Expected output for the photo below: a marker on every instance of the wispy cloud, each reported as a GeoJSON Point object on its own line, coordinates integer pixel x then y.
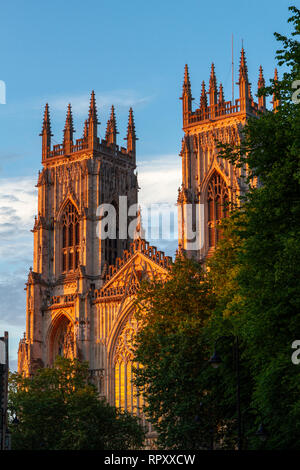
{"type": "Point", "coordinates": [80, 103]}
{"type": "Point", "coordinates": [18, 200]}
{"type": "Point", "coordinates": [17, 204]}
{"type": "Point", "coordinates": [159, 178]}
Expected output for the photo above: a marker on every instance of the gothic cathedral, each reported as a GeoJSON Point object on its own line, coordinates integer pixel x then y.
{"type": "Point", "coordinates": [81, 290]}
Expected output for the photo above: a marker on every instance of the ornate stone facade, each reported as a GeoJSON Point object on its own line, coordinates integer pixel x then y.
{"type": "Point", "coordinates": [81, 289]}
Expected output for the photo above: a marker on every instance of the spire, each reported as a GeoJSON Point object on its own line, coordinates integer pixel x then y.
{"type": "Point", "coordinates": [93, 108]}
{"type": "Point", "coordinates": [243, 73]}
{"type": "Point", "coordinates": [221, 99]}
{"type": "Point", "coordinates": [111, 129]}
{"type": "Point", "coordinates": [131, 136]}
{"type": "Point", "coordinates": [131, 125]}
{"type": "Point", "coordinates": [186, 96]}
{"type": "Point", "coordinates": [276, 100]}
{"type": "Point", "coordinates": [213, 93]}
{"type": "Point", "coordinates": [46, 121]}
{"type": "Point", "coordinates": [203, 98]}
{"type": "Point", "coordinates": [46, 133]}
{"type": "Point", "coordinates": [212, 80]}
{"type": "Point", "coordinates": [68, 131]}
{"type": "Point", "coordinates": [244, 85]}
{"type": "Point", "coordinates": [186, 81]}
{"type": "Point", "coordinates": [261, 84]}
{"type": "Point", "coordinates": [261, 80]}
{"type": "Point", "coordinates": [92, 122]}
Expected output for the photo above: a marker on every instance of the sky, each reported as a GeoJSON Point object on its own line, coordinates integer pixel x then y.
{"type": "Point", "coordinates": [132, 54]}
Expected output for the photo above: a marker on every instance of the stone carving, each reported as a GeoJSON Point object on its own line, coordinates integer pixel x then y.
{"type": "Point", "coordinates": [66, 341]}
{"type": "Point", "coordinates": [124, 346]}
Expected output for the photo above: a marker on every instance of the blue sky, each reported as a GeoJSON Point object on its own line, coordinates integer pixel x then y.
{"type": "Point", "coordinates": [57, 51]}
{"type": "Point", "coordinates": [132, 54]}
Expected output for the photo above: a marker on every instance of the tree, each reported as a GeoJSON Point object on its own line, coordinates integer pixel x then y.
{"type": "Point", "coordinates": [58, 409]}
{"type": "Point", "coordinates": [267, 260]}
{"type": "Point", "coordinates": [251, 291]}
{"type": "Point", "coordinates": [173, 350]}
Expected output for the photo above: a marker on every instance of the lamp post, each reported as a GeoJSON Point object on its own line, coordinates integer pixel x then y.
{"type": "Point", "coordinates": [215, 361]}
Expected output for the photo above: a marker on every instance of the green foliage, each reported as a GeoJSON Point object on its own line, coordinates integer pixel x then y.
{"type": "Point", "coordinates": [267, 257]}
{"type": "Point", "coordinates": [173, 350]}
{"type": "Point", "coordinates": [251, 291]}
{"type": "Point", "coordinates": [58, 409]}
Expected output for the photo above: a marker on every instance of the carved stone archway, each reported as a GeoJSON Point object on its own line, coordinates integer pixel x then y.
{"type": "Point", "coordinates": [61, 339]}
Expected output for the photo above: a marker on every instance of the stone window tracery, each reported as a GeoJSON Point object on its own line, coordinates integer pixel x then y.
{"type": "Point", "coordinates": [126, 396]}
{"type": "Point", "coordinates": [70, 238]}
{"type": "Point", "coordinates": [217, 204]}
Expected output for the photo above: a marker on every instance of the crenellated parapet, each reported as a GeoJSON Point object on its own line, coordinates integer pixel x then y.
{"type": "Point", "coordinates": [213, 106]}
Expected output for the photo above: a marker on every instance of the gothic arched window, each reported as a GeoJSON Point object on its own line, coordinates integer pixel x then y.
{"type": "Point", "coordinates": [126, 394]}
{"type": "Point", "coordinates": [217, 204]}
{"type": "Point", "coordinates": [70, 238]}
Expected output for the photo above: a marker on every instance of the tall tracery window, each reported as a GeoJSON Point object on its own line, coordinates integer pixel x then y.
{"type": "Point", "coordinates": [126, 395]}
{"type": "Point", "coordinates": [217, 203]}
{"type": "Point", "coordinates": [70, 238]}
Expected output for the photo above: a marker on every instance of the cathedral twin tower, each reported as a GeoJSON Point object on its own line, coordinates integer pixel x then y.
{"type": "Point", "coordinates": [209, 182]}
{"type": "Point", "coordinates": [81, 290]}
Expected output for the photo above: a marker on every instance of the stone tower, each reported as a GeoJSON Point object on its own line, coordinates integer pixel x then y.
{"type": "Point", "coordinates": [70, 259]}
{"type": "Point", "coordinates": [81, 290]}
{"type": "Point", "coordinates": [210, 183]}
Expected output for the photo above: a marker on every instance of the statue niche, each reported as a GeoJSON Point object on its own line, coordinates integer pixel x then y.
{"type": "Point", "coordinates": [63, 340]}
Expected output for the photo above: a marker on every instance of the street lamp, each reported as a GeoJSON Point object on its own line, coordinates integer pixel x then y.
{"type": "Point", "coordinates": [261, 433]}
{"type": "Point", "coordinates": [215, 361]}
{"type": "Point", "coordinates": [15, 421]}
